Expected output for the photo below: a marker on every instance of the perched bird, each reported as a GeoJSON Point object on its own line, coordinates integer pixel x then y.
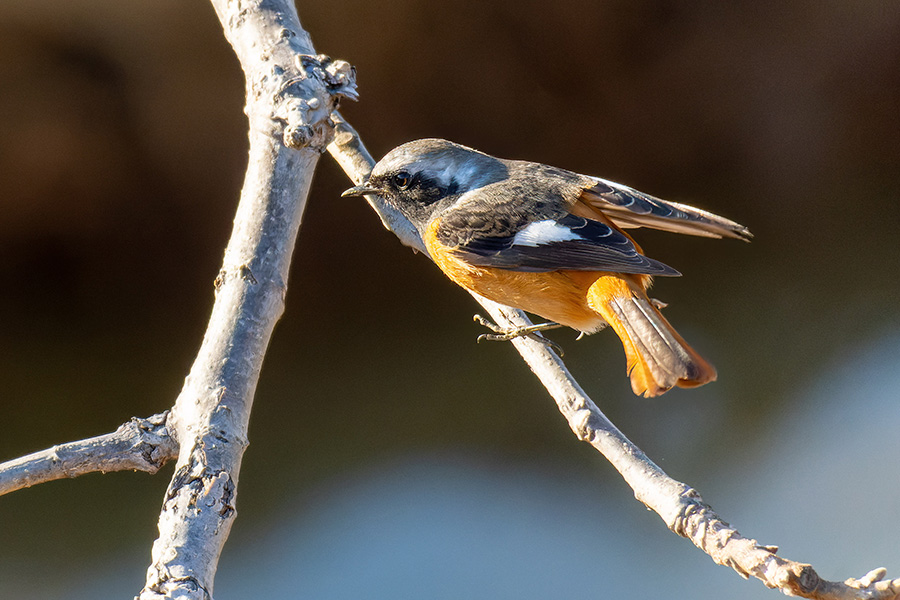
{"type": "Point", "coordinates": [551, 242]}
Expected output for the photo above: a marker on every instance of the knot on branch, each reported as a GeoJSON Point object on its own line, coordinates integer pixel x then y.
{"type": "Point", "coordinates": [796, 579]}
{"type": "Point", "coordinates": [338, 76]}
{"type": "Point", "coordinates": [698, 522]}
{"type": "Point", "coordinates": [693, 513]}
{"type": "Point", "coordinates": [584, 424]}
{"type": "Point", "coordinates": [196, 486]}
{"type": "Point", "coordinates": [152, 442]}
{"type": "Point", "coordinates": [166, 585]}
{"type": "Point", "coordinates": [308, 100]}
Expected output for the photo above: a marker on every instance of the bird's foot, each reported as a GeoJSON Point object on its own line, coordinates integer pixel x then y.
{"type": "Point", "coordinates": [502, 334]}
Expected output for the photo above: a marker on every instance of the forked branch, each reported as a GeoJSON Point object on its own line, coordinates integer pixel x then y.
{"type": "Point", "coordinates": [290, 94]}
{"type": "Point", "coordinates": [138, 445]}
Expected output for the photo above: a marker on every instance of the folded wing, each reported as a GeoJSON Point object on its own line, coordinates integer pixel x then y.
{"type": "Point", "coordinates": [627, 207]}
{"type": "Point", "coordinates": [566, 243]}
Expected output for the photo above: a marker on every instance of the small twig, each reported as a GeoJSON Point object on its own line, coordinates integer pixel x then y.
{"type": "Point", "coordinates": [679, 505]}
{"type": "Point", "coordinates": [349, 152]}
{"type": "Point", "coordinates": [138, 445]}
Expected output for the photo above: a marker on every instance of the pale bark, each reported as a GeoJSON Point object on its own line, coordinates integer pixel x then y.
{"type": "Point", "coordinates": [138, 445]}
{"type": "Point", "coordinates": [290, 94]}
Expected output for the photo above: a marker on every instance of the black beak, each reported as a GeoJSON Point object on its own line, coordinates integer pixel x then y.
{"type": "Point", "coordinates": [360, 190]}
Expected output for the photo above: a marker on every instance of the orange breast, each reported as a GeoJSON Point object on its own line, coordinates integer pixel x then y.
{"type": "Point", "coordinates": [560, 296]}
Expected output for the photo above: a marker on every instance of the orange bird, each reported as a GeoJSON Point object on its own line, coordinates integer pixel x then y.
{"type": "Point", "coordinates": [551, 242]}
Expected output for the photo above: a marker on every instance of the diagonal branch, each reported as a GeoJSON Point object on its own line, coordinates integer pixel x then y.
{"type": "Point", "coordinates": [679, 505]}
{"type": "Point", "coordinates": [138, 445]}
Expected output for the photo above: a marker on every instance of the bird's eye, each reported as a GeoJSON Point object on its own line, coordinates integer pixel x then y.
{"type": "Point", "coordinates": [402, 179]}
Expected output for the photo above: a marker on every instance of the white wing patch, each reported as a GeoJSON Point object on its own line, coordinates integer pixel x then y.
{"type": "Point", "coordinates": [544, 232]}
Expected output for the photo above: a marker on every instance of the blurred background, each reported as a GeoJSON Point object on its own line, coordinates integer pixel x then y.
{"type": "Point", "coordinates": [391, 456]}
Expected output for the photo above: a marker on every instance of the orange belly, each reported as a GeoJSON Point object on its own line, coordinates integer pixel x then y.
{"type": "Point", "coordinates": [657, 358]}
{"type": "Point", "coordinates": [559, 296]}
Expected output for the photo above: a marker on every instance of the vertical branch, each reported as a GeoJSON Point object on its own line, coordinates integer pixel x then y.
{"type": "Point", "coordinates": [290, 94]}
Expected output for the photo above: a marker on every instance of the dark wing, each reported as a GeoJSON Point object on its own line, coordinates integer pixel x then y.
{"type": "Point", "coordinates": [627, 207]}
{"type": "Point", "coordinates": [568, 242]}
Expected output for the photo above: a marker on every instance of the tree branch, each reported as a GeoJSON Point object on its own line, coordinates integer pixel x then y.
{"type": "Point", "coordinates": [139, 445]}
{"type": "Point", "coordinates": [679, 505]}
{"type": "Point", "coordinates": [290, 94]}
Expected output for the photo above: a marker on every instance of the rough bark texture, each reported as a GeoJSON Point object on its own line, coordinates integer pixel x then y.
{"type": "Point", "coordinates": [290, 94]}
{"type": "Point", "coordinates": [138, 445]}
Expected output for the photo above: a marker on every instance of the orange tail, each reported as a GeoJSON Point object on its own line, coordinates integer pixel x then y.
{"type": "Point", "coordinates": [658, 358]}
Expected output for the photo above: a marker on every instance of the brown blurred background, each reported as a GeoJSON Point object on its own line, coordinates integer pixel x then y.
{"type": "Point", "coordinates": [122, 149]}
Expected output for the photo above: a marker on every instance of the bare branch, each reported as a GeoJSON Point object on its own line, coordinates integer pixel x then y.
{"type": "Point", "coordinates": [138, 445]}
{"type": "Point", "coordinates": [290, 94]}
{"type": "Point", "coordinates": [350, 153]}
{"type": "Point", "coordinates": [679, 505]}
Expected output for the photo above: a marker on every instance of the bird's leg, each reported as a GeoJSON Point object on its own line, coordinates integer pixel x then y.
{"type": "Point", "coordinates": [532, 331]}
{"type": "Point", "coordinates": [504, 335]}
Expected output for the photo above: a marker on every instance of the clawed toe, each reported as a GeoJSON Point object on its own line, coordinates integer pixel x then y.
{"type": "Point", "coordinates": [502, 334]}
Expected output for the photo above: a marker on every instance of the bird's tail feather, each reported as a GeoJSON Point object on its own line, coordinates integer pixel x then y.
{"type": "Point", "coordinates": [658, 358]}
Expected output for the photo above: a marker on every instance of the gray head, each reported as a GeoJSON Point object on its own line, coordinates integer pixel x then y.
{"type": "Point", "coordinates": [423, 177]}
